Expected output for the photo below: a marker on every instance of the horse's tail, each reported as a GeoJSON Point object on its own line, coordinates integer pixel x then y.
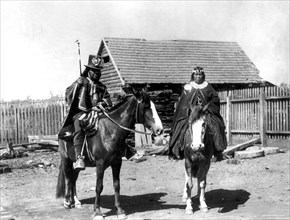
{"type": "Point", "coordinates": [60, 188]}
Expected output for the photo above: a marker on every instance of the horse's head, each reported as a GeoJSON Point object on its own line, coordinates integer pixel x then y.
{"type": "Point", "coordinates": [197, 127]}
{"type": "Point", "coordinates": [146, 113]}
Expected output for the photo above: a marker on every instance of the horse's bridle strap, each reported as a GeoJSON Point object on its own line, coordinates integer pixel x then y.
{"type": "Point", "coordinates": [121, 126]}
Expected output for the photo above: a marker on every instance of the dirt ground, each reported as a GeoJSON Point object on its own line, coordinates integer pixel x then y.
{"type": "Point", "coordinates": [151, 188]}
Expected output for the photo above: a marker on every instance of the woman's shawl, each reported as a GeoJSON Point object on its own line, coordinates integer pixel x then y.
{"type": "Point", "coordinates": [193, 94]}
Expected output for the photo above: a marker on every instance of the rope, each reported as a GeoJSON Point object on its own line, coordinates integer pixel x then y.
{"type": "Point", "coordinates": [84, 143]}
{"type": "Point", "coordinates": [127, 129]}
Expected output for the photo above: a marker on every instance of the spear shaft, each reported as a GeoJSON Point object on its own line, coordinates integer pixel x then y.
{"type": "Point", "coordinates": [79, 53]}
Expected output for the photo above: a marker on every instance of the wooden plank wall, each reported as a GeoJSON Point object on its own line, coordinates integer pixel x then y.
{"type": "Point", "coordinates": [20, 119]}
{"type": "Point", "coordinates": [110, 75]}
{"type": "Point", "coordinates": [252, 108]}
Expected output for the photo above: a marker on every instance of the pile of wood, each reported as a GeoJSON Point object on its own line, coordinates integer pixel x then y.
{"type": "Point", "coordinates": [246, 150]}
{"type": "Point", "coordinates": [249, 149]}
{"type": "Point", "coordinates": [35, 143]}
{"type": "Point", "coordinates": [231, 150]}
{"type": "Point", "coordinates": [160, 145]}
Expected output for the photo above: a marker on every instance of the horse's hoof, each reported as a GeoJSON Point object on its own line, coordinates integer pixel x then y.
{"type": "Point", "coordinates": [122, 216]}
{"type": "Point", "coordinates": [79, 206]}
{"type": "Point", "coordinates": [67, 205]}
{"type": "Point", "coordinates": [204, 209]}
{"type": "Point", "coordinates": [188, 211]}
{"type": "Point", "coordinates": [99, 217]}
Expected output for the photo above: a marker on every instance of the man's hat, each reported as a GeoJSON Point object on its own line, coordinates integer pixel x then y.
{"type": "Point", "coordinates": [95, 62]}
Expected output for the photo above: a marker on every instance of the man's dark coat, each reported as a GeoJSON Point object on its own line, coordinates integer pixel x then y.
{"type": "Point", "coordinates": [81, 99]}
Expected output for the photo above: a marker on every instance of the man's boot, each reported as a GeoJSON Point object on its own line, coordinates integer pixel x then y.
{"type": "Point", "coordinates": [80, 163]}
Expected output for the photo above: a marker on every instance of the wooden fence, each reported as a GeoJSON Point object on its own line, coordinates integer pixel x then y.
{"type": "Point", "coordinates": [20, 119]}
{"type": "Point", "coordinates": [248, 113]}
{"type": "Point", "coordinates": [254, 112]}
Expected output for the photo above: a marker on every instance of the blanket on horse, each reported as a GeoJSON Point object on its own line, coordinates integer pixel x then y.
{"type": "Point", "coordinates": [89, 123]}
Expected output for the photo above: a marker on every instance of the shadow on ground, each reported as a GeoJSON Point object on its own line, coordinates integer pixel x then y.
{"type": "Point", "coordinates": [225, 200]}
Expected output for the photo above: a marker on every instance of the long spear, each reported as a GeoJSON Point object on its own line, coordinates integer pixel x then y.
{"type": "Point", "coordinates": [82, 90]}
{"type": "Point", "coordinates": [79, 52]}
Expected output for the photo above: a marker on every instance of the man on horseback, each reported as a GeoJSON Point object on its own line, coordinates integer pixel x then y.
{"type": "Point", "coordinates": [87, 93]}
{"type": "Point", "coordinates": [197, 92]}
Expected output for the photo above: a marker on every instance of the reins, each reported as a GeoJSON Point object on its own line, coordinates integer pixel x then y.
{"type": "Point", "coordinates": [121, 126]}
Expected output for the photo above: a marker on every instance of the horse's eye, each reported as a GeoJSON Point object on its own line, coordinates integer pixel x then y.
{"type": "Point", "coordinates": [147, 104]}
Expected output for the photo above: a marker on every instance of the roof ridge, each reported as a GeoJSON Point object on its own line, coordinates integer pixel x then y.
{"type": "Point", "coordinates": [168, 40]}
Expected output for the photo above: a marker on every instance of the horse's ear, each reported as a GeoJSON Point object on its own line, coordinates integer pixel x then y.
{"type": "Point", "coordinates": [127, 90]}
{"type": "Point", "coordinates": [132, 90]}
{"type": "Point", "coordinates": [145, 88]}
{"type": "Point", "coordinates": [136, 92]}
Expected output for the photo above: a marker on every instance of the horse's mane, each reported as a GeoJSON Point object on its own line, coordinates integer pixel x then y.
{"type": "Point", "coordinates": [196, 113]}
{"type": "Point", "coordinates": [120, 102]}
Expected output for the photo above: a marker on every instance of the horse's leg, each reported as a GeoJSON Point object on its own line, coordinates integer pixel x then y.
{"type": "Point", "coordinates": [202, 185]}
{"type": "Point", "coordinates": [77, 202]}
{"type": "Point", "coordinates": [69, 181]}
{"type": "Point", "coordinates": [100, 169]}
{"type": "Point", "coordinates": [184, 196]}
{"type": "Point", "coordinates": [189, 185]}
{"type": "Point", "coordinates": [116, 167]}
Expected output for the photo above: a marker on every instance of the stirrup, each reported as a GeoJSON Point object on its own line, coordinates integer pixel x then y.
{"type": "Point", "coordinates": [80, 163]}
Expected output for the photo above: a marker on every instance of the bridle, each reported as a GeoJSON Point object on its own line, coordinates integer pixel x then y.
{"type": "Point", "coordinates": [121, 126]}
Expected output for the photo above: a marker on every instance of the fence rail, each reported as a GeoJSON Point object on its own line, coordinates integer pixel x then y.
{"type": "Point", "coordinates": [257, 111]}
{"type": "Point", "coordinates": [24, 118]}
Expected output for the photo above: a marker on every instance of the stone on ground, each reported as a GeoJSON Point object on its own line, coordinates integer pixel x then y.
{"type": "Point", "coordinates": [247, 154]}
{"type": "Point", "coordinates": [4, 168]}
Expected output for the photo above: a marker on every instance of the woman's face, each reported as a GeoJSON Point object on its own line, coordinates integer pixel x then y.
{"type": "Point", "coordinates": [198, 78]}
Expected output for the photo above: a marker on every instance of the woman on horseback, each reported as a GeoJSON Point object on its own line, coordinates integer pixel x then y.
{"type": "Point", "coordinates": [197, 92]}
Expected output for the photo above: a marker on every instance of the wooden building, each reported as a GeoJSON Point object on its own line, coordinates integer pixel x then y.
{"type": "Point", "coordinates": [167, 64]}
{"type": "Point", "coordinates": [164, 66]}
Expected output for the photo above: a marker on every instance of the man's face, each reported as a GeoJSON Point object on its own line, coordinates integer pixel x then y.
{"type": "Point", "coordinates": [95, 74]}
{"type": "Point", "coordinates": [198, 78]}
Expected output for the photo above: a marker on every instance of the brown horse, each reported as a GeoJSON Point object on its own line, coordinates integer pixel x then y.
{"type": "Point", "coordinates": [107, 147]}
{"type": "Point", "coordinates": [198, 152]}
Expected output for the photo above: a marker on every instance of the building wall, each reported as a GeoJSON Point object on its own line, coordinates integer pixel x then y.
{"type": "Point", "coordinates": [109, 74]}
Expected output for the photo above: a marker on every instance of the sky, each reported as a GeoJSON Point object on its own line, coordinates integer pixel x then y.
{"type": "Point", "coordinates": [39, 56]}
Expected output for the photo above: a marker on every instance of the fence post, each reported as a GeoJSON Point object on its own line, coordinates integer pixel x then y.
{"type": "Point", "coordinates": [229, 118]}
{"type": "Point", "coordinates": [263, 117]}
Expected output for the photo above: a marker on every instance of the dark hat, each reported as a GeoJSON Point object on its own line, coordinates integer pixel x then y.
{"type": "Point", "coordinates": [95, 62]}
